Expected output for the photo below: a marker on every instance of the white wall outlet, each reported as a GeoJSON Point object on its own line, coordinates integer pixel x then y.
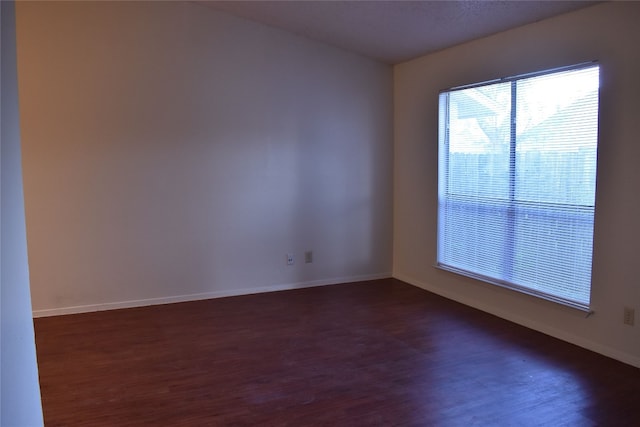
{"type": "Point", "coordinates": [629, 316]}
{"type": "Point", "coordinates": [308, 257]}
{"type": "Point", "coordinates": [289, 259]}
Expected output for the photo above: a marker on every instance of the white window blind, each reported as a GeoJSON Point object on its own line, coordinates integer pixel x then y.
{"type": "Point", "coordinates": [517, 182]}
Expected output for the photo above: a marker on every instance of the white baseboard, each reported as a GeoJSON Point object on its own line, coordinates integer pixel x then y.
{"type": "Point", "coordinates": [201, 296]}
{"type": "Point", "coordinates": [531, 324]}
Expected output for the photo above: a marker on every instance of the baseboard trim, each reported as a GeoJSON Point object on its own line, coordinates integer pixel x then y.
{"type": "Point", "coordinates": [202, 296]}
{"type": "Point", "coordinates": [528, 323]}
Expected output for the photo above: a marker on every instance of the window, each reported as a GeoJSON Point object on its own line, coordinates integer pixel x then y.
{"type": "Point", "coordinates": [517, 182]}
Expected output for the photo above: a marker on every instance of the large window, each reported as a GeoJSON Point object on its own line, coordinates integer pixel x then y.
{"type": "Point", "coordinates": [517, 182]}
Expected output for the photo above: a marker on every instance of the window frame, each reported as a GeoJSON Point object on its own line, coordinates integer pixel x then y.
{"type": "Point", "coordinates": [511, 202]}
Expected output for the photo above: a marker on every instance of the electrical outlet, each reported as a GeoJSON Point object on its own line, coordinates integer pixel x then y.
{"type": "Point", "coordinates": [289, 259]}
{"type": "Point", "coordinates": [629, 316]}
{"type": "Point", "coordinates": [308, 257]}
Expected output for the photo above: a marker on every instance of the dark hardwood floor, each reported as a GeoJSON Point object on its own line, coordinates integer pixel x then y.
{"type": "Point", "coordinates": [379, 353]}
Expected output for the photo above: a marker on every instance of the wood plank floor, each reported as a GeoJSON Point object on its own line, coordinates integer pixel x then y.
{"type": "Point", "coordinates": [378, 353]}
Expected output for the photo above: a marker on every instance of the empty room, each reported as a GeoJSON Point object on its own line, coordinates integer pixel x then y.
{"type": "Point", "coordinates": [309, 213]}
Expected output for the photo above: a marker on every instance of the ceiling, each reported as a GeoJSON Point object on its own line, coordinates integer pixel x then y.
{"type": "Point", "coordinates": [395, 31]}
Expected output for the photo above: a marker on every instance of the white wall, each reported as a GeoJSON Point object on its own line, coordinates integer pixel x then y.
{"type": "Point", "coordinates": [173, 152]}
{"type": "Point", "coordinates": [19, 388]}
{"type": "Point", "coordinates": [607, 32]}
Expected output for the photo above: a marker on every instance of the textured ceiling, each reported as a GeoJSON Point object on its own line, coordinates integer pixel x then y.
{"type": "Point", "coordinates": [395, 31]}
